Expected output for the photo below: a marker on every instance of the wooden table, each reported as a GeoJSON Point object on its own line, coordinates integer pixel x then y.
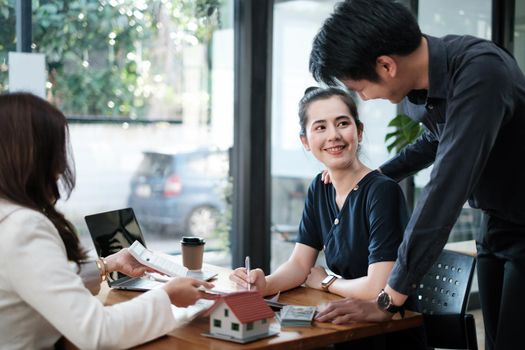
{"type": "Point", "coordinates": [320, 334]}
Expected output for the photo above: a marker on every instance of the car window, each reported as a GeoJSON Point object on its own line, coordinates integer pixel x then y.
{"type": "Point", "coordinates": [155, 165]}
{"type": "Point", "coordinates": [196, 164]}
{"type": "Point", "coordinates": [218, 164]}
{"type": "Point", "coordinates": [208, 165]}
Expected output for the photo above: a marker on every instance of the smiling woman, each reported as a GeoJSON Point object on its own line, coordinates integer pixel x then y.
{"type": "Point", "coordinates": [358, 220]}
{"type": "Point", "coordinates": [333, 132]}
{"type": "Point", "coordinates": [40, 244]}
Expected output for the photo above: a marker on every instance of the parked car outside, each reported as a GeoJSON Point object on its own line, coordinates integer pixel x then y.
{"type": "Point", "coordinates": [179, 193]}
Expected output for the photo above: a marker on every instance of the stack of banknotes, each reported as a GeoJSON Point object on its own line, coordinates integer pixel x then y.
{"type": "Point", "coordinates": [296, 316]}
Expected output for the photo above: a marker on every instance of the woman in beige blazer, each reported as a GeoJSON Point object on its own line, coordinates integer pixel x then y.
{"type": "Point", "coordinates": [41, 296]}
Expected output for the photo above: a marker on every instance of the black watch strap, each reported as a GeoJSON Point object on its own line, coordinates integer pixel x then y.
{"type": "Point", "coordinates": [384, 302]}
{"type": "Point", "coordinates": [393, 309]}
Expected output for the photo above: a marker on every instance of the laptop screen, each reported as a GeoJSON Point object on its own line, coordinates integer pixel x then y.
{"type": "Point", "coordinates": [113, 230]}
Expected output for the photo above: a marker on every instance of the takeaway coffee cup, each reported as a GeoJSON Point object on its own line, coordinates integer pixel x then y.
{"type": "Point", "coordinates": [192, 252]}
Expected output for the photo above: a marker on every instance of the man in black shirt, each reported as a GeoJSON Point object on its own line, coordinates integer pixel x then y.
{"type": "Point", "coordinates": [469, 94]}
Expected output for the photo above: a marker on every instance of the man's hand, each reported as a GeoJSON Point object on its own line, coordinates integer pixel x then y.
{"type": "Point", "coordinates": [325, 177]}
{"type": "Point", "coordinates": [316, 276]}
{"type": "Point", "coordinates": [348, 310]}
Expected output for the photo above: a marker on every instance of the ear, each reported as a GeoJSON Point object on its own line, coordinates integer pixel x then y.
{"type": "Point", "coordinates": [304, 141]}
{"type": "Point", "coordinates": [360, 132]}
{"type": "Point", "coordinates": [386, 66]}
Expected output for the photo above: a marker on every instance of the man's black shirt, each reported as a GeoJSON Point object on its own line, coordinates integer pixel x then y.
{"type": "Point", "coordinates": [474, 116]}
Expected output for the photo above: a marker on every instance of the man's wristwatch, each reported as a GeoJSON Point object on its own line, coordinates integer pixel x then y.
{"type": "Point", "coordinates": [384, 302]}
{"type": "Point", "coordinates": [327, 281]}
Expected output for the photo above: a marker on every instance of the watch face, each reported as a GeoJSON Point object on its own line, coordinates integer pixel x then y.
{"type": "Point", "coordinates": [383, 300]}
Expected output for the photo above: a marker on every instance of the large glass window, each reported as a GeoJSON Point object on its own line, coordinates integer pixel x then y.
{"type": "Point", "coordinates": [293, 168]}
{"type": "Point", "coordinates": [7, 39]}
{"type": "Point", "coordinates": [472, 17]}
{"type": "Point", "coordinates": [439, 18]}
{"type": "Point", "coordinates": [519, 34]}
{"type": "Point", "coordinates": [295, 24]}
{"type": "Point", "coordinates": [148, 89]}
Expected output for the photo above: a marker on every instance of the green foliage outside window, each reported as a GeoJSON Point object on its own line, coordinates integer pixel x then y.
{"type": "Point", "coordinates": [222, 231]}
{"type": "Point", "coordinates": [7, 38]}
{"type": "Point", "coordinates": [105, 57]}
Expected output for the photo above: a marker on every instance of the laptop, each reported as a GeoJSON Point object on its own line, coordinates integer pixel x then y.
{"type": "Point", "coordinates": [113, 230]}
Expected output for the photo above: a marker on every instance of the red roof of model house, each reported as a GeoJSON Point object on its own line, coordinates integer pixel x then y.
{"type": "Point", "coordinates": [246, 306]}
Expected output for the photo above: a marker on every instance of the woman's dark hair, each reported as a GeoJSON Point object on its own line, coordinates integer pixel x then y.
{"type": "Point", "coordinates": [34, 159]}
{"type": "Point", "coordinates": [358, 32]}
{"type": "Point", "coordinates": [314, 93]}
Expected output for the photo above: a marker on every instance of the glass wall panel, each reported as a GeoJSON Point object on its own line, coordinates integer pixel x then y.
{"type": "Point", "coordinates": [295, 25]}
{"type": "Point", "coordinates": [439, 18]}
{"type": "Point", "coordinates": [472, 17]}
{"type": "Point", "coordinates": [293, 168]}
{"type": "Point", "coordinates": [519, 34]}
{"type": "Point", "coordinates": [7, 38]}
{"type": "Point", "coordinates": [148, 88]}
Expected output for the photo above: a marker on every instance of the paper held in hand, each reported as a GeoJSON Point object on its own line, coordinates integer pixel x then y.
{"type": "Point", "coordinates": [156, 261]}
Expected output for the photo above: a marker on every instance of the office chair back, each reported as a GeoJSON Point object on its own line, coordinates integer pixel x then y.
{"type": "Point", "coordinates": [443, 297]}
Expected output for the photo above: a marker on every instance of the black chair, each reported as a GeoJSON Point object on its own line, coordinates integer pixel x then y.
{"type": "Point", "coordinates": [443, 296]}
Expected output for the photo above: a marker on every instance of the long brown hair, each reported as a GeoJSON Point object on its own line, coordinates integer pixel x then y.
{"type": "Point", "coordinates": [35, 158]}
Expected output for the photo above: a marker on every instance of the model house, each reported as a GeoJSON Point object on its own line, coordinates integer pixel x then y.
{"type": "Point", "coordinates": [240, 316]}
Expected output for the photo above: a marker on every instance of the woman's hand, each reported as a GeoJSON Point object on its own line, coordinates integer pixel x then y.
{"type": "Point", "coordinates": [316, 276]}
{"type": "Point", "coordinates": [125, 263]}
{"type": "Point", "coordinates": [185, 291]}
{"type": "Point", "coordinates": [257, 279]}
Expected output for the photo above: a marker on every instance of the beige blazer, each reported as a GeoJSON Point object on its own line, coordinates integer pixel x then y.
{"type": "Point", "coordinates": [41, 296]}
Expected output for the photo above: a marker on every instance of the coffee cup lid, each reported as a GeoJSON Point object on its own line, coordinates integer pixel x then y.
{"type": "Point", "coordinates": [192, 241]}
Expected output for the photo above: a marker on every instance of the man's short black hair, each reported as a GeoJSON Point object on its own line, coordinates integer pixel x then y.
{"type": "Point", "coordinates": [358, 32]}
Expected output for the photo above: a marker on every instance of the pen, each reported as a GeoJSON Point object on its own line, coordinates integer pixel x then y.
{"type": "Point", "coordinates": [247, 266]}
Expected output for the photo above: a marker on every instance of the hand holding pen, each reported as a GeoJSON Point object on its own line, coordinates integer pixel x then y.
{"type": "Point", "coordinates": [249, 279]}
